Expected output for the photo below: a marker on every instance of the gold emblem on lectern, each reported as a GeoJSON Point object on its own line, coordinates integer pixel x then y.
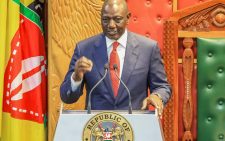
{"type": "Point", "coordinates": [108, 126]}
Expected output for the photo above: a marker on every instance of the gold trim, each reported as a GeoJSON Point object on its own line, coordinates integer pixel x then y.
{"type": "Point", "coordinates": [210, 34]}
{"type": "Point", "coordinates": [180, 61]}
{"type": "Point", "coordinates": [175, 2]}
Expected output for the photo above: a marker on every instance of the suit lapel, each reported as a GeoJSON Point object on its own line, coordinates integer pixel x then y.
{"type": "Point", "coordinates": [100, 54]}
{"type": "Point", "coordinates": [130, 60]}
{"type": "Point", "coordinates": [100, 58]}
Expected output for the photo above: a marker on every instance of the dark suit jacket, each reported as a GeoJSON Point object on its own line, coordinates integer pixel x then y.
{"type": "Point", "coordinates": [142, 68]}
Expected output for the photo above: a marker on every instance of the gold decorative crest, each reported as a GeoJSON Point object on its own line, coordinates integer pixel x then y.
{"type": "Point", "coordinates": [108, 126]}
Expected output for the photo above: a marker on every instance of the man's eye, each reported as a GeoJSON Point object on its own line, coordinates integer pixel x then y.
{"type": "Point", "coordinates": [105, 19]}
{"type": "Point", "coordinates": [118, 20]}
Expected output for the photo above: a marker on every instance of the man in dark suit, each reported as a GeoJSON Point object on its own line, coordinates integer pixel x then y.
{"type": "Point", "coordinates": [136, 59]}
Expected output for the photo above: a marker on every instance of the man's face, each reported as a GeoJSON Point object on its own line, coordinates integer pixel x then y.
{"type": "Point", "coordinates": [114, 20]}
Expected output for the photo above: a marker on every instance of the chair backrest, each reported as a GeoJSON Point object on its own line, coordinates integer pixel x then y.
{"type": "Point", "coordinates": [181, 30]}
{"type": "Point", "coordinates": [211, 89]}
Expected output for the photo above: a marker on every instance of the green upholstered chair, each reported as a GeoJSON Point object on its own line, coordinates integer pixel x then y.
{"type": "Point", "coordinates": [211, 89]}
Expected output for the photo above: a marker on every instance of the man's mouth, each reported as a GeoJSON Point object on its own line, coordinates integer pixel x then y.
{"type": "Point", "coordinates": [112, 32]}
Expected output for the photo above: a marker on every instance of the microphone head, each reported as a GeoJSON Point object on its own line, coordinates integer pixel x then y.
{"type": "Point", "coordinates": [115, 67]}
{"type": "Point", "coordinates": [106, 66]}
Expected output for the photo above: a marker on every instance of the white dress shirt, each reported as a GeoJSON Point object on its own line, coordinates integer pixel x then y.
{"type": "Point", "coordinates": [121, 49]}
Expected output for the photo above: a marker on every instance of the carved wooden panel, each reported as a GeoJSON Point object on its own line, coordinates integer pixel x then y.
{"type": "Point", "coordinates": [69, 21]}
{"type": "Point", "coordinates": [210, 19]}
{"type": "Point", "coordinates": [188, 61]}
{"type": "Point", "coordinates": [170, 114]}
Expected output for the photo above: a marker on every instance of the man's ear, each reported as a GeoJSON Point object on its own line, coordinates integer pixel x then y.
{"type": "Point", "coordinates": [128, 17]}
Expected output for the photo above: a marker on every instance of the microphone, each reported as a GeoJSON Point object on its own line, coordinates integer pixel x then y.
{"type": "Point", "coordinates": [115, 67]}
{"type": "Point", "coordinates": [106, 67]}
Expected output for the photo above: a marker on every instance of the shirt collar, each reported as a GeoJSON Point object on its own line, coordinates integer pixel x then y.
{"type": "Point", "coordinates": [122, 40]}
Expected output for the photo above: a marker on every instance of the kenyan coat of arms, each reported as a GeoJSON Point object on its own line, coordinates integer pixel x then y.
{"type": "Point", "coordinates": [108, 126]}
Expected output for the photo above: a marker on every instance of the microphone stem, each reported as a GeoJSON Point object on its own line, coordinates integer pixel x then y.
{"type": "Point", "coordinates": [89, 98]}
{"type": "Point", "coordinates": [130, 106]}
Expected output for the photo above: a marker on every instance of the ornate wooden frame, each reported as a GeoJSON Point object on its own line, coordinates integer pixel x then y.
{"type": "Point", "coordinates": [203, 20]}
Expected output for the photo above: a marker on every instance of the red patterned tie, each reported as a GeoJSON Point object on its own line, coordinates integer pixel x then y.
{"type": "Point", "coordinates": [114, 60]}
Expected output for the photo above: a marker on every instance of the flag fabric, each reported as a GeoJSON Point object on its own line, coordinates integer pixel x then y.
{"type": "Point", "coordinates": [3, 7]}
{"type": "Point", "coordinates": [24, 67]}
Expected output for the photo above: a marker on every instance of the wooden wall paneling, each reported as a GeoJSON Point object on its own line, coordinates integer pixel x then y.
{"type": "Point", "coordinates": [68, 23]}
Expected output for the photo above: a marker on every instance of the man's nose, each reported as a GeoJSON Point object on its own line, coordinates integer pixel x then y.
{"type": "Point", "coordinates": [112, 24]}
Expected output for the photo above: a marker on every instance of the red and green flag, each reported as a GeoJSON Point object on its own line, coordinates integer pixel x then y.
{"type": "Point", "coordinates": [23, 63]}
